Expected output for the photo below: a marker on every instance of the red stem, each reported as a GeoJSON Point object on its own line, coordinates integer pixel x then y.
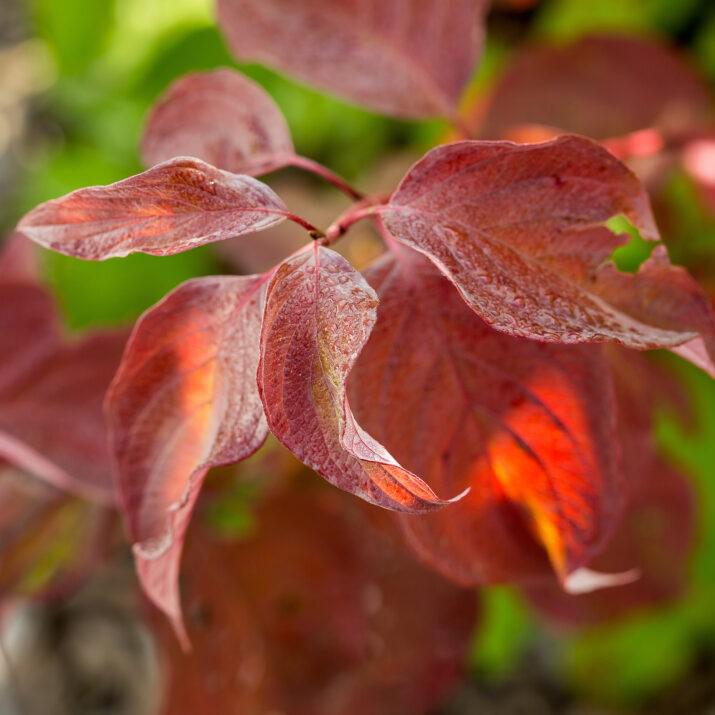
{"type": "Point", "coordinates": [367, 207]}
{"type": "Point", "coordinates": [302, 162]}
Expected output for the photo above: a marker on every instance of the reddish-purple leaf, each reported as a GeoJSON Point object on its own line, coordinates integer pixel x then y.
{"type": "Point", "coordinates": [409, 58]}
{"type": "Point", "coordinates": [184, 400]}
{"type": "Point", "coordinates": [519, 229]}
{"type": "Point", "coordinates": [168, 209]}
{"type": "Point", "coordinates": [657, 533]}
{"type": "Point", "coordinates": [319, 313]}
{"type": "Point", "coordinates": [527, 426]}
{"type": "Point", "coordinates": [221, 117]}
{"type": "Point", "coordinates": [320, 611]}
{"type": "Point", "coordinates": [601, 86]}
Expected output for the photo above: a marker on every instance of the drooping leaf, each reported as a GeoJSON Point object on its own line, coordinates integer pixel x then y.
{"type": "Point", "coordinates": [221, 117]}
{"type": "Point", "coordinates": [320, 612]}
{"type": "Point", "coordinates": [168, 209]}
{"type": "Point", "coordinates": [410, 58]}
{"type": "Point", "coordinates": [184, 400]}
{"type": "Point", "coordinates": [319, 313]}
{"type": "Point", "coordinates": [657, 533]}
{"type": "Point", "coordinates": [526, 425]}
{"type": "Point", "coordinates": [519, 229]}
{"type": "Point", "coordinates": [600, 85]}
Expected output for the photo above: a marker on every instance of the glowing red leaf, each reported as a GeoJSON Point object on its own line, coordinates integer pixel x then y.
{"type": "Point", "coordinates": [656, 535]}
{"type": "Point", "coordinates": [221, 117]}
{"type": "Point", "coordinates": [184, 400]}
{"type": "Point", "coordinates": [319, 612]}
{"type": "Point", "coordinates": [601, 86]}
{"type": "Point", "coordinates": [520, 231]}
{"type": "Point", "coordinates": [319, 313]}
{"type": "Point", "coordinates": [410, 58]}
{"type": "Point", "coordinates": [168, 209]}
{"type": "Point", "coordinates": [527, 425]}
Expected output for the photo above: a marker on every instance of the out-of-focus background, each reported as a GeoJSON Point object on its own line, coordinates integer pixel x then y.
{"type": "Point", "coordinates": [77, 78]}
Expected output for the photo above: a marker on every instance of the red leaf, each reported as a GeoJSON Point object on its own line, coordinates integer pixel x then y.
{"type": "Point", "coordinates": [319, 612]}
{"type": "Point", "coordinates": [519, 230]}
{"type": "Point", "coordinates": [601, 86]}
{"type": "Point", "coordinates": [319, 313]}
{"type": "Point", "coordinates": [220, 117]}
{"type": "Point", "coordinates": [171, 208]}
{"type": "Point", "coordinates": [410, 58]}
{"type": "Point", "coordinates": [527, 425]}
{"type": "Point", "coordinates": [184, 400]}
{"type": "Point", "coordinates": [657, 534]}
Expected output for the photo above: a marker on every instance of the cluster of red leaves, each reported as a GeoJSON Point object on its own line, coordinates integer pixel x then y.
{"type": "Point", "coordinates": [462, 380]}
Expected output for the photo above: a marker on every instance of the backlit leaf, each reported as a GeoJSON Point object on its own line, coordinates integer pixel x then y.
{"type": "Point", "coordinates": [168, 209]}
{"type": "Point", "coordinates": [184, 400]}
{"type": "Point", "coordinates": [320, 612]}
{"type": "Point", "coordinates": [519, 229]}
{"type": "Point", "coordinates": [221, 117]}
{"type": "Point", "coordinates": [319, 313]}
{"type": "Point", "coordinates": [526, 425]}
{"type": "Point", "coordinates": [410, 58]}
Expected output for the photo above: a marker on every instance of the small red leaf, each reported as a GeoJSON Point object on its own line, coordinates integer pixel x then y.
{"type": "Point", "coordinates": [601, 86]}
{"type": "Point", "coordinates": [221, 117]}
{"type": "Point", "coordinates": [519, 229]}
{"type": "Point", "coordinates": [184, 400]}
{"type": "Point", "coordinates": [527, 425]}
{"type": "Point", "coordinates": [319, 313]}
{"type": "Point", "coordinates": [168, 209]}
{"type": "Point", "coordinates": [410, 58]}
{"type": "Point", "coordinates": [321, 611]}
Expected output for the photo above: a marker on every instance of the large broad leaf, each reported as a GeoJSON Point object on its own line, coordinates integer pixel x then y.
{"type": "Point", "coordinates": [184, 400]}
{"type": "Point", "coordinates": [171, 208]}
{"type": "Point", "coordinates": [221, 117]}
{"type": "Point", "coordinates": [527, 426]}
{"type": "Point", "coordinates": [321, 611]}
{"type": "Point", "coordinates": [319, 313]}
{"type": "Point", "coordinates": [51, 390]}
{"type": "Point", "coordinates": [601, 86]}
{"type": "Point", "coordinates": [520, 231]}
{"type": "Point", "coordinates": [410, 58]}
{"type": "Point", "coordinates": [657, 533]}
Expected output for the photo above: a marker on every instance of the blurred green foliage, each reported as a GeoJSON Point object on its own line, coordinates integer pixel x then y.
{"type": "Point", "coordinates": [112, 59]}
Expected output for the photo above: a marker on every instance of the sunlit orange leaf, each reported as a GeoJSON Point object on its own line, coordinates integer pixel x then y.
{"type": "Point", "coordinates": [170, 208]}
{"type": "Point", "coordinates": [184, 400]}
{"type": "Point", "coordinates": [221, 117]}
{"type": "Point", "coordinates": [320, 612]}
{"type": "Point", "coordinates": [527, 426]}
{"type": "Point", "coordinates": [601, 85]}
{"type": "Point", "coordinates": [657, 532]}
{"type": "Point", "coordinates": [519, 229]}
{"type": "Point", "coordinates": [319, 313]}
{"type": "Point", "coordinates": [412, 59]}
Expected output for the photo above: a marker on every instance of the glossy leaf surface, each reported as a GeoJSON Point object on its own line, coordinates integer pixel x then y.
{"type": "Point", "coordinates": [175, 206]}
{"type": "Point", "coordinates": [519, 229]}
{"type": "Point", "coordinates": [221, 117]}
{"type": "Point", "coordinates": [184, 400]}
{"type": "Point", "coordinates": [410, 58]}
{"type": "Point", "coordinates": [528, 426]}
{"type": "Point", "coordinates": [319, 313]}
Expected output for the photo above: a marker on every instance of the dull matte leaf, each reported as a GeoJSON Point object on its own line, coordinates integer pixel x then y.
{"type": "Point", "coordinates": [519, 229]}
{"type": "Point", "coordinates": [409, 58]}
{"type": "Point", "coordinates": [527, 426]}
{"type": "Point", "coordinates": [601, 85]}
{"type": "Point", "coordinates": [221, 117]}
{"type": "Point", "coordinates": [325, 613]}
{"type": "Point", "coordinates": [319, 313]}
{"type": "Point", "coordinates": [657, 533]}
{"type": "Point", "coordinates": [184, 400]}
{"type": "Point", "coordinates": [175, 206]}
